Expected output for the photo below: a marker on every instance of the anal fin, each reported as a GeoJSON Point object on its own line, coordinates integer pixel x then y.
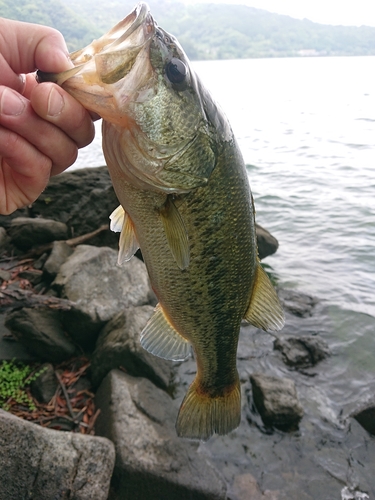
{"type": "Point", "coordinates": [264, 310]}
{"type": "Point", "coordinates": [176, 233]}
{"type": "Point", "coordinates": [161, 339]}
{"type": "Point", "coordinates": [128, 244]}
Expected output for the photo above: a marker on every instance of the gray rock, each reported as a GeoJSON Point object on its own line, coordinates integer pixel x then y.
{"type": "Point", "coordinates": [4, 238]}
{"type": "Point", "coordinates": [267, 244]}
{"type": "Point", "coordinates": [5, 275]}
{"type": "Point", "coordinates": [43, 388]}
{"type": "Point", "coordinates": [276, 401]}
{"type": "Point", "coordinates": [41, 332]}
{"type": "Point", "coordinates": [26, 232]}
{"type": "Point", "coordinates": [34, 276]}
{"type": "Point", "coordinates": [10, 348]}
{"type": "Point", "coordinates": [353, 494]}
{"type": "Point", "coordinates": [118, 345]}
{"type": "Point", "coordinates": [365, 416]}
{"type": "Point", "coordinates": [151, 462]}
{"type": "Point", "coordinates": [39, 263]}
{"type": "Point", "coordinates": [43, 464]}
{"type": "Point", "coordinates": [302, 351]}
{"type": "Point", "coordinates": [297, 303]}
{"type": "Point", "coordinates": [100, 289]}
{"type": "Point", "coordinates": [246, 487]}
{"type": "Point", "coordinates": [59, 254]}
{"type": "Point", "coordinates": [83, 199]}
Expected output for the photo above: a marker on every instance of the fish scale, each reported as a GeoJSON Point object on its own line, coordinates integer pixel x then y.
{"type": "Point", "coordinates": [186, 202]}
{"type": "Point", "coordinates": [206, 302]}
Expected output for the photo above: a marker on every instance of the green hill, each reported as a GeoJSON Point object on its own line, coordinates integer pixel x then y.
{"type": "Point", "coordinates": [76, 30]}
{"type": "Point", "coordinates": [206, 31]}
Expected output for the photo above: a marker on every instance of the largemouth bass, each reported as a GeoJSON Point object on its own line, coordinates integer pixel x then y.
{"type": "Point", "coordinates": [185, 201]}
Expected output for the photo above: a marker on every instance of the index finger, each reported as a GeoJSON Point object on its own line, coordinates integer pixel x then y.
{"type": "Point", "coordinates": [26, 46]}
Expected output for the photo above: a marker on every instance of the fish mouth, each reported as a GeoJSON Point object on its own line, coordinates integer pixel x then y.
{"type": "Point", "coordinates": [104, 64]}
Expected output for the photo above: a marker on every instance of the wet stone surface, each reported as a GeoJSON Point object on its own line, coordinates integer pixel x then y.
{"type": "Point", "coordinates": [327, 453]}
{"type": "Point", "coordinates": [276, 400]}
{"type": "Point", "coordinates": [302, 352]}
{"type": "Point", "coordinates": [329, 456]}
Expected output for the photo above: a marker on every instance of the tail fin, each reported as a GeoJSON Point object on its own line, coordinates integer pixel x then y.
{"type": "Point", "coordinates": [202, 415]}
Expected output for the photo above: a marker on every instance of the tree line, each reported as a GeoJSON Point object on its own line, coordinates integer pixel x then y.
{"type": "Point", "coordinates": [206, 31]}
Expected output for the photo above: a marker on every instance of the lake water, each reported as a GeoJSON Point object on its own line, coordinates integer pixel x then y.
{"type": "Point", "coordinates": [306, 127]}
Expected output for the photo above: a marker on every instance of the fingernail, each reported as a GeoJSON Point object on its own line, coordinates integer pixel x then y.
{"type": "Point", "coordinates": [22, 78]}
{"type": "Point", "coordinates": [11, 103]}
{"type": "Point", "coordinates": [55, 102]}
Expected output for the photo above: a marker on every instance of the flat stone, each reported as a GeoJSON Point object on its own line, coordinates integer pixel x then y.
{"type": "Point", "coordinates": [151, 461]}
{"type": "Point", "coordinates": [297, 303]}
{"type": "Point", "coordinates": [91, 279]}
{"type": "Point", "coordinates": [26, 232]}
{"type": "Point", "coordinates": [43, 464]}
{"type": "Point", "coordinates": [41, 332]}
{"type": "Point", "coordinates": [276, 401]}
{"type": "Point", "coordinates": [119, 344]}
{"type": "Point", "coordinates": [245, 487]}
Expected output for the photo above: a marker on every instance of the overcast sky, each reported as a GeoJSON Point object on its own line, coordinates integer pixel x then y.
{"type": "Point", "coordinates": [347, 12]}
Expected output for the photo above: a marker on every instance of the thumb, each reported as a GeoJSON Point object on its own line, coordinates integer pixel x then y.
{"type": "Point", "coordinates": [28, 46]}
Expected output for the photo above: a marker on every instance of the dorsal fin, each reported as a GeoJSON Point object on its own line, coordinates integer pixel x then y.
{"type": "Point", "coordinates": [161, 339]}
{"type": "Point", "coordinates": [128, 244]}
{"type": "Point", "coordinates": [176, 233]}
{"type": "Point", "coordinates": [264, 310]}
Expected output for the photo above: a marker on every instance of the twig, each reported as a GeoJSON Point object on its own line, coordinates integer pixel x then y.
{"type": "Point", "coordinates": [66, 395]}
{"type": "Point", "coordinates": [12, 299]}
{"type": "Point", "coordinates": [72, 242]}
{"type": "Point", "coordinates": [20, 263]}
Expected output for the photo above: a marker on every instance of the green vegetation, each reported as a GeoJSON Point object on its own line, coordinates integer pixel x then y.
{"type": "Point", "coordinates": [14, 378]}
{"type": "Point", "coordinates": [76, 30]}
{"type": "Point", "coordinates": [206, 31]}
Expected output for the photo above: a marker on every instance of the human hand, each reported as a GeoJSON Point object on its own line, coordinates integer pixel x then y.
{"type": "Point", "coordinates": [41, 125]}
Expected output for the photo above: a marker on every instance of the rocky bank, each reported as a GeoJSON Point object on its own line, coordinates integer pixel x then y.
{"type": "Point", "coordinates": [68, 298]}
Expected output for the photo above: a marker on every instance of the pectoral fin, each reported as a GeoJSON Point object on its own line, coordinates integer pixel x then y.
{"type": "Point", "coordinates": [176, 233]}
{"type": "Point", "coordinates": [161, 339]}
{"type": "Point", "coordinates": [117, 219]}
{"type": "Point", "coordinates": [265, 310]}
{"type": "Point", "coordinates": [128, 244]}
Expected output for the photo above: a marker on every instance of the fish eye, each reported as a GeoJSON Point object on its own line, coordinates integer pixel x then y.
{"type": "Point", "coordinates": [176, 70]}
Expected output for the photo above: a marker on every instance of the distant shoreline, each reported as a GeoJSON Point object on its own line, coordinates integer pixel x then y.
{"type": "Point", "coordinates": [205, 31]}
